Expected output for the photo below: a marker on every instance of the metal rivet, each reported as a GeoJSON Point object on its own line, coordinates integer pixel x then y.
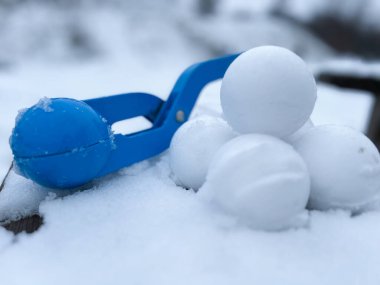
{"type": "Point", "coordinates": [180, 116]}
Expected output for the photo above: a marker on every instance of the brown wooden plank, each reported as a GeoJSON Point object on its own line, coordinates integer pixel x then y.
{"type": "Point", "coordinates": [28, 224]}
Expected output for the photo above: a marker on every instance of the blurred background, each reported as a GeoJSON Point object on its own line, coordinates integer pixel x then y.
{"type": "Point", "coordinates": [90, 48]}
{"type": "Point", "coordinates": [62, 30]}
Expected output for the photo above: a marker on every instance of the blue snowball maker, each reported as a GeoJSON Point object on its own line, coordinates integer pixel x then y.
{"type": "Point", "coordinates": [60, 143]}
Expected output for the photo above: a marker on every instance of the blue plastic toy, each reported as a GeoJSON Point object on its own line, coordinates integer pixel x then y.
{"type": "Point", "coordinates": [65, 143]}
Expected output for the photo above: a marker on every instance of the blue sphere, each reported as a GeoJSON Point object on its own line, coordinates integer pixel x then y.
{"type": "Point", "coordinates": [60, 143]}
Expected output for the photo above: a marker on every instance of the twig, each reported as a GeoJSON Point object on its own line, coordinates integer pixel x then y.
{"type": "Point", "coordinates": [6, 176]}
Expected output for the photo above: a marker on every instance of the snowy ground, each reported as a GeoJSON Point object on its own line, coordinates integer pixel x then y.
{"type": "Point", "coordinates": [137, 226]}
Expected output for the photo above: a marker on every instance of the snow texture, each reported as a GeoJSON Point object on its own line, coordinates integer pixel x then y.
{"type": "Point", "coordinates": [275, 101]}
{"type": "Point", "coordinates": [19, 198]}
{"type": "Point", "coordinates": [45, 104]}
{"type": "Point", "coordinates": [259, 179]}
{"type": "Point", "coordinates": [353, 67]}
{"type": "Point", "coordinates": [344, 166]}
{"type": "Point", "coordinates": [137, 226]}
{"type": "Point", "coordinates": [299, 133]}
{"type": "Point", "coordinates": [193, 147]}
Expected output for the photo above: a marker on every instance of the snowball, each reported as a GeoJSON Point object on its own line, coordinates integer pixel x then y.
{"type": "Point", "coordinates": [344, 166]}
{"type": "Point", "coordinates": [299, 133]}
{"type": "Point", "coordinates": [260, 179]}
{"type": "Point", "coordinates": [193, 147]}
{"type": "Point", "coordinates": [268, 90]}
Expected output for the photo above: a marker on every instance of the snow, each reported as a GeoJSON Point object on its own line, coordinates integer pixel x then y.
{"type": "Point", "coordinates": [136, 226]}
{"type": "Point", "coordinates": [361, 14]}
{"type": "Point", "coordinates": [193, 147]}
{"type": "Point", "coordinates": [275, 101]}
{"type": "Point", "coordinates": [21, 197]}
{"type": "Point", "coordinates": [344, 166]}
{"type": "Point", "coordinates": [349, 66]}
{"type": "Point", "coordinates": [141, 228]}
{"type": "Point", "coordinates": [342, 107]}
{"type": "Point", "coordinates": [299, 133]}
{"type": "Point", "coordinates": [45, 104]}
{"type": "Point", "coordinates": [260, 180]}
{"type": "Point", "coordinates": [252, 31]}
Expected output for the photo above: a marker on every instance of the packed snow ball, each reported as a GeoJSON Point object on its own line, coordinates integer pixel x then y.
{"type": "Point", "coordinates": [194, 145]}
{"type": "Point", "coordinates": [259, 179]}
{"type": "Point", "coordinates": [344, 166]}
{"type": "Point", "coordinates": [268, 90]}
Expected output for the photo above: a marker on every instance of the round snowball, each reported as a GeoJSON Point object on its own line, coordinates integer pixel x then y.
{"type": "Point", "coordinates": [261, 180]}
{"type": "Point", "coordinates": [268, 90]}
{"type": "Point", "coordinates": [344, 166]}
{"type": "Point", "coordinates": [193, 147]}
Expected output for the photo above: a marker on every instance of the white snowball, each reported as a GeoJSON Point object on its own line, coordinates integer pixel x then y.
{"type": "Point", "coordinates": [193, 147]}
{"type": "Point", "coordinates": [268, 90]}
{"type": "Point", "coordinates": [344, 166]}
{"type": "Point", "coordinates": [260, 179]}
{"type": "Point", "coordinates": [299, 133]}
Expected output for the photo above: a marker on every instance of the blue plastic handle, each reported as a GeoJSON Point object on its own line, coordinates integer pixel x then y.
{"type": "Point", "coordinates": [65, 143]}
{"type": "Point", "coordinates": [139, 146]}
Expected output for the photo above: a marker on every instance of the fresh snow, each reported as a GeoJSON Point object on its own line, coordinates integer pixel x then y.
{"type": "Point", "coordinates": [348, 66]}
{"type": "Point", "coordinates": [193, 147]}
{"type": "Point", "coordinates": [268, 90]}
{"type": "Point", "coordinates": [344, 166]}
{"type": "Point", "coordinates": [137, 226]}
{"type": "Point", "coordinates": [259, 179]}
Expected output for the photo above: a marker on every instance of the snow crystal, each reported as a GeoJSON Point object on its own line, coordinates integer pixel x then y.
{"type": "Point", "coordinates": [20, 113]}
{"type": "Point", "coordinates": [45, 104]}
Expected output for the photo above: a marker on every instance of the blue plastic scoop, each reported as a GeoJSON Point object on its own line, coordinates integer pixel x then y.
{"type": "Point", "coordinates": [65, 143]}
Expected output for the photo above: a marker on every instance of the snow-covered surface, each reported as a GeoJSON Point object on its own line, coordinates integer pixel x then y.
{"type": "Point", "coordinates": [140, 228]}
{"type": "Point", "coordinates": [362, 13]}
{"type": "Point", "coordinates": [342, 107]}
{"type": "Point", "coordinates": [137, 226]}
{"type": "Point", "coordinates": [348, 66]}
